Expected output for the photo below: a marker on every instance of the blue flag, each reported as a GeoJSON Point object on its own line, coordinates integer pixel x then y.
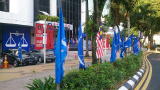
{"type": "Point", "coordinates": [80, 48]}
{"type": "Point", "coordinates": [135, 46]}
{"type": "Point", "coordinates": [123, 49]}
{"type": "Point", "coordinates": [128, 43]}
{"type": "Point", "coordinates": [20, 50]}
{"type": "Point", "coordinates": [118, 40]}
{"type": "Point", "coordinates": [114, 48]}
{"type": "Point", "coordinates": [60, 49]}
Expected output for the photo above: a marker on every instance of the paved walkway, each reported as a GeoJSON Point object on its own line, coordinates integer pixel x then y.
{"type": "Point", "coordinates": [17, 78]}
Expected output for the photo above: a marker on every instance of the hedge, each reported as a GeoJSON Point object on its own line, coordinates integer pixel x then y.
{"type": "Point", "coordinates": [105, 76]}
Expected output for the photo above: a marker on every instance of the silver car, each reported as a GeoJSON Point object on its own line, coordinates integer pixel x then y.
{"type": "Point", "coordinates": [50, 57]}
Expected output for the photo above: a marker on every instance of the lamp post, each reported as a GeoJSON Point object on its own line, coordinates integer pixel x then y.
{"type": "Point", "coordinates": [44, 35]}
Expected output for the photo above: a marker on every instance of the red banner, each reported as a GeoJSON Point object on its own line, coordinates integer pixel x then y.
{"type": "Point", "coordinates": [39, 36]}
{"type": "Point", "coordinates": [50, 36]}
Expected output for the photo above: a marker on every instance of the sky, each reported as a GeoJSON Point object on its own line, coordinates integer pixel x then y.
{"type": "Point", "coordinates": [83, 11]}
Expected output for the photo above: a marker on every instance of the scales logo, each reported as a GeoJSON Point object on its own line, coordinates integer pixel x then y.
{"type": "Point", "coordinates": [11, 42]}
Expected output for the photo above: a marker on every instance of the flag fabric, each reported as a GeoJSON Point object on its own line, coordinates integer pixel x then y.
{"type": "Point", "coordinates": [123, 49]}
{"type": "Point", "coordinates": [118, 40]}
{"type": "Point", "coordinates": [60, 50]}
{"type": "Point", "coordinates": [99, 41]}
{"type": "Point", "coordinates": [114, 48]}
{"type": "Point", "coordinates": [128, 43]}
{"type": "Point", "coordinates": [20, 50]}
{"type": "Point", "coordinates": [80, 48]}
{"type": "Point", "coordinates": [136, 46]}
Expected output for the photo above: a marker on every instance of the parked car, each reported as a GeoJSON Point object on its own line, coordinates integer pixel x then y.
{"type": "Point", "coordinates": [28, 59]}
{"type": "Point", "coordinates": [13, 59]}
{"type": "Point", "coordinates": [39, 55]}
{"type": "Point", "coordinates": [1, 61]}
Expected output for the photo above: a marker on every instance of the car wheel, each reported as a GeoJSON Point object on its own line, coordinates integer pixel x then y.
{"type": "Point", "coordinates": [39, 59]}
{"type": "Point", "coordinates": [15, 64]}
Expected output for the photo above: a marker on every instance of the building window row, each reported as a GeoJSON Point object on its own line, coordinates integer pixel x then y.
{"type": "Point", "coordinates": [4, 5]}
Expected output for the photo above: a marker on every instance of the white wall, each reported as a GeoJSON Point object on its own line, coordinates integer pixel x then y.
{"type": "Point", "coordinates": [156, 37]}
{"type": "Point", "coordinates": [53, 7]}
{"type": "Point", "coordinates": [20, 12]}
{"type": "Point", "coordinates": [83, 13]}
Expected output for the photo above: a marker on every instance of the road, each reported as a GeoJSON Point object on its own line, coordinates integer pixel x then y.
{"type": "Point", "coordinates": [155, 79]}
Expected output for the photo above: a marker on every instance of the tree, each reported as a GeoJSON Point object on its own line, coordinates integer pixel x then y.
{"type": "Point", "coordinates": [146, 19]}
{"type": "Point", "coordinates": [98, 8]}
{"type": "Point", "coordinates": [87, 18]}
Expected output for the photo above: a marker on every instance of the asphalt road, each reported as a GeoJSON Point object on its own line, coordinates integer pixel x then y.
{"type": "Point", "coordinates": [155, 79]}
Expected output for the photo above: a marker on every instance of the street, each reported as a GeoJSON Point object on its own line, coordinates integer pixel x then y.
{"type": "Point", "coordinates": [155, 79]}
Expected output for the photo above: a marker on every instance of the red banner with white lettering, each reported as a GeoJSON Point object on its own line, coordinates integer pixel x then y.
{"type": "Point", "coordinates": [50, 36]}
{"type": "Point", "coordinates": [39, 29]}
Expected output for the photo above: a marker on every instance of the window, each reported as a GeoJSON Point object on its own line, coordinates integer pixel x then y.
{"type": "Point", "coordinates": [4, 5]}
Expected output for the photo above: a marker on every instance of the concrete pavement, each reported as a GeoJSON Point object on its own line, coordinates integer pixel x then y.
{"type": "Point", "coordinates": [17, 78]}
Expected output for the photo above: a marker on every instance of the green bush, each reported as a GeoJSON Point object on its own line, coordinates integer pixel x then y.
{"type": "Point", "coordinates": [47, 84]}
{"type": "Point", "coordinates": [106, 76]}
{"type": "Point", "coordinates": [103, 76]}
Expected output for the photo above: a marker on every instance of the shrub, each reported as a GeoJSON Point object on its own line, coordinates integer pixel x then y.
{"type": "Point", "coordinates": [37, 84]}
{"type": "Point", "coordinates": [104, 76]}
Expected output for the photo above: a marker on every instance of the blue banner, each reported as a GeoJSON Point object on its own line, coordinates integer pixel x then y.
{"type": "Point", "coordinates": [60, 49]}
{"type": "Point", "coordinates": [80, 48]}
{"type": "Point", "coordinates": [12, 36]}
{"type": "Point", "coordinates": [135, 46]}
{"type": "Point", "coordinates": [114, 48]}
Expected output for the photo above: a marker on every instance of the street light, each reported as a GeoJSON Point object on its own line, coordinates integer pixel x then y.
{"type": "Point", "coordinates": [44, 35]}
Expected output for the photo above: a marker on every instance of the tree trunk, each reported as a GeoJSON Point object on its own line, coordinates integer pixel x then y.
{"type": "Point", "coordinates": [95, 21]}
{"type": "Point", "coordinates": [128, 22]}
{"type": "Point", "coordinates": [94, 48]}
{"type": "Point", "coordinates": [144, 41]}
{"type": "Point", "coordinates": [87, 17]}
{"type": "Point", "coordinates": [151, 41]}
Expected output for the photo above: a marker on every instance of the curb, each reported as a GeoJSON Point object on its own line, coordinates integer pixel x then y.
{"type": "Point", "coordinates": [130, 84]}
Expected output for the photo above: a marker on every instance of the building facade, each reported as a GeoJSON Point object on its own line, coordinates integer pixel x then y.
{"type": "Point", "coordinates": [16, 22]}
{"type": "Point", "coordinates": [17, 19]}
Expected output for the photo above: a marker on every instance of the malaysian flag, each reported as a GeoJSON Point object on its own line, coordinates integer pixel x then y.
{"type": "Point", "coordinates": [99, 41]}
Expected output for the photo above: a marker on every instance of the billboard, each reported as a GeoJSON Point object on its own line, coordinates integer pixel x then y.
{"type": "Point", "coordinates": [12, 36]}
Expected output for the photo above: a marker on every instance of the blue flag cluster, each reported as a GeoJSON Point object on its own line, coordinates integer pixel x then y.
{"type": "Point", "coordinates": [61, 49]}
{"type": "Point", "coordinates": [80, 48]}
{"type": "Point", "coordinates": [119, 43]}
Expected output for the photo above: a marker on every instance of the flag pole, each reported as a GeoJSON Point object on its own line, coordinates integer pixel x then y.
{"type": "Point", "coordinates": [58, 87]}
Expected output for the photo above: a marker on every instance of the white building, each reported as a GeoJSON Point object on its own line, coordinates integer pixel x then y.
{"type": "Point", "coordinates": [17, 20]}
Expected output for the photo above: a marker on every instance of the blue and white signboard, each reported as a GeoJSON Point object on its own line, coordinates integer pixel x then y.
{"type": "Point", "coordinates": [12, 37]}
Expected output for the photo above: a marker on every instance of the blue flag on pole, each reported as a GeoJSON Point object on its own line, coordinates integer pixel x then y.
{"type": "Point", "coordinates": [114, 48]}
{"type": "Point", "coordinates": [128, 43]}
{"type": "Point", "coordinates": [20, 50]}
{"type": "Point", "coordinates": [135, 46]}
{"type": "Point", "coordinates": [80, 48]}
{"type": "Point", "coordinates": [122, 47]}
{"type": "Point", "coordinates": [118, 40]}
{"type": "Point", "coordinates": [60, 49]}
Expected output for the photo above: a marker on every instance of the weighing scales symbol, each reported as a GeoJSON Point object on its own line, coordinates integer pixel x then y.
{"type": "Point", "coordinates": [11, 42]}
